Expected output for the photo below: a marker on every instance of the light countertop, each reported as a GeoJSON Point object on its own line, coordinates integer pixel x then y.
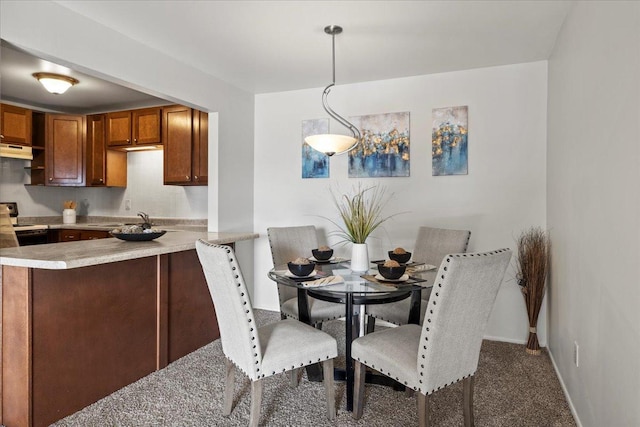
{"type": "Point", "coordinates": [67, 255]}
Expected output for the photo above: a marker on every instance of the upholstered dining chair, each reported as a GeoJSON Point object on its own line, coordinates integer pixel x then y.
{"type": "Point", "coordinates": [432, 245]}
{"type": "Point", "coordinates": [264, 351]}
{"type": "Point", "coordinates": [287, 244]}
{"type": "Point", "coordinates": [446, 348]}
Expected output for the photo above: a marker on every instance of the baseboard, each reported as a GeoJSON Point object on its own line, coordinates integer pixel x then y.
{"type": "Point", "coordinates": [503, 339]}
{"type": "Point", "coordinates": [564, 390]}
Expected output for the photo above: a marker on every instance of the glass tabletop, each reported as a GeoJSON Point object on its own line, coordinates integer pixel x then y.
{"type": "Point", "coordinates": [338, 278]}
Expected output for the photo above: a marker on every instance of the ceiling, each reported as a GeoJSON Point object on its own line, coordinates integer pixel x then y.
{"type": "Point", "coordinates": [274, 46]}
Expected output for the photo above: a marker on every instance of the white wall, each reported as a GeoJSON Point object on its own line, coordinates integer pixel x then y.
{"type": "Point", "coordinates": [503, 194]}
{"type": "Point", "coordinates": [144, 188]}
{"type": "Point", "coordinates": [593, 210]}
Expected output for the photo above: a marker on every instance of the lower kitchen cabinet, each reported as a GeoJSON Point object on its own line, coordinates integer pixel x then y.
{"type": "Point", "coordinates": [74, 336]}
{"type": "Point", "coordinates": [72, 235]}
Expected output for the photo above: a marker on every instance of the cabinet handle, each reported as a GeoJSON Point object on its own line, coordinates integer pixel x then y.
{"type": "Point", "coordinates": [50, 179]}
{"type": "Point", "coordinates": [1, 136]}
{"type": "Point", "coordinates": [195, 177]}
{"type": "Point", "coordinates": [128, 140]}
{"type": "Point", "coordinates": [135, 139]}
{"type": "Point", "coordinates": [101, 180]}
{"type": "Point", "coordinates": [187, 177]}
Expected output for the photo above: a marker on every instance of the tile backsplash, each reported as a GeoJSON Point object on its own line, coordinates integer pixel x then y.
{"type": "Point", "coordinates": [144, 189]}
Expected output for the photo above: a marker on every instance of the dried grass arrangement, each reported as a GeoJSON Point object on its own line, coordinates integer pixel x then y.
{"type": "Point", "coordinates": [360, 211]}
{"type": "Point", "coordinates": [532, 269]}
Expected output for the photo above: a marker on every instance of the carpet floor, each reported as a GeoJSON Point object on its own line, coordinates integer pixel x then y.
{"type": "Point", "coordinates": [512, 388]}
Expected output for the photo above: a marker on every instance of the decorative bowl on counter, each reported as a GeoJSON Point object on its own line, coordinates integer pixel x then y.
{"type": "Point", "coordinates": [138, 237]}
{"type": "Point", "coordinates": [136, 233]}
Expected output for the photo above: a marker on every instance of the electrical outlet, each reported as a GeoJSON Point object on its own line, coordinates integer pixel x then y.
{"type": "Point", "coordinates": [576, 353]}
{"type": "Point", "coordinates": [127, 204]}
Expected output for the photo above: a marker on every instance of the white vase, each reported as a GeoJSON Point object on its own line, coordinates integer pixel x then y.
{"type": "Point", "coordinates": [359, 257]}
{"type": "Point", "coordinates": [69, 216]}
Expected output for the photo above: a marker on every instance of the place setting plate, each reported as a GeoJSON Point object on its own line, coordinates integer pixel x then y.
{"type": "Point", "coordinates": [380, 278]}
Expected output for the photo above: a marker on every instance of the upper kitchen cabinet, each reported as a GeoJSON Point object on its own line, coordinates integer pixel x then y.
{"type": "Point", "coordinates": [64, 150]}
{"type": "Point", "coordinates": [105, 168]}
{"type": "Point", "coordinates": [185, 138]}
{"type": "Point", "coordinates": [126, 129]}
{"type": "Point", "coordinates": [15, 125]}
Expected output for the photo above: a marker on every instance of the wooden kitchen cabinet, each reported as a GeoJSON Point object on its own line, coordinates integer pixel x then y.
{"type": "Point", "coordinates": [15, 125]}
{"type": "Point", "coordinates": [185, 139]}
{"type": "Point", "coordinates": [73, 235]}
{"type": "Point", "coordinates": [65, 150]}
{"type": "Point", "coordinates": [142, 127]}
{"type": "Point", "coordinates": [105, 168]}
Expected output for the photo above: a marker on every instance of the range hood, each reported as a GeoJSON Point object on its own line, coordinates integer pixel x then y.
{"type": "Point", "coordinates": [16, 151]}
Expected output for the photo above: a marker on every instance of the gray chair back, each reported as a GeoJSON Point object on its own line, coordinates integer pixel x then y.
{"type": "Point", "coordinates": [287, 244]}
{"type": "Point", "coordinates": [238, 330]}
{"type": "Point", "coordinates": [457, 313]}
{"type": "Point", "coordinates": [432, 244]}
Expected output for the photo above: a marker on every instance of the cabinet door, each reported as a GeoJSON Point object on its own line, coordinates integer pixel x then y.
{"type": "Point", "coordinates": [68, 235]}
{"type": "Point", "coordinates": [146, 126]}
{"type": "Point", "coordinates": [200, 147]}
{"type": "Point", "coordinates": [64, 150]}
{"type": "Point", "coordinates": [104, 167]}
{"type": "Point", "coordinates": [176, 137]}
{"type": "Point", "coordinates": [15, 125]}
{"type": "Point", "coordinates": [96, 150]}
{"type": "Point", "coordinates": [119, 128]}
{"type": "Point", "coordinates": [93, 234]}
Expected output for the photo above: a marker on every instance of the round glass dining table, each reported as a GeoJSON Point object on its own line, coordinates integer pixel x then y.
{"type": "Point", "coordinates": [335, 282]}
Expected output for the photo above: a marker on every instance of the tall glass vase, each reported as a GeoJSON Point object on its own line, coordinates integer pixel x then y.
{"type": "Point", "coordinates": [359, 257]}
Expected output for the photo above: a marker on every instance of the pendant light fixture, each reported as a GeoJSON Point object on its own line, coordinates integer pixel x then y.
{"type": "Point", "coordinates": [331, 144]}
{"type": "Point", "coordinates": [55, 83]}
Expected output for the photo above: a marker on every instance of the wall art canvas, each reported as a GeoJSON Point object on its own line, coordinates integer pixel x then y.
{"type": "Point", "coordinates": [384, 151]}
{"type": "Point", "coordinates": [314, 163]}
{"type": "Point", "coordinates": [449, 141]}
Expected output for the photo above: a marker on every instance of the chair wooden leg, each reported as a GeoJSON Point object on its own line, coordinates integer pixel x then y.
{"type": "Point", "coordinates": [293, 377]}
{"type": "Point", "coordinates": [423, 410]}
{"type": "Point", "coordinates": [329, 388]}
{"type": "Point", "coordinates": [360, 371]}
{"type": "Point", "coordinates": [228, 387]}
{"type": "Point", "coordinates": [256, 400]}
{"type": "Point", "coordinates": [467, 401]}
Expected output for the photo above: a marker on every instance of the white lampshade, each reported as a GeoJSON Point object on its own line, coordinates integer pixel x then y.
{"type": "Point", "coordinates": [331, 144]}
{"type": "Point", "coordinates": [55, 83]}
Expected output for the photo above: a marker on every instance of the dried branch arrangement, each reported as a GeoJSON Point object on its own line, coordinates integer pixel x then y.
{"type": "Point", "coordinates": [532, 270]}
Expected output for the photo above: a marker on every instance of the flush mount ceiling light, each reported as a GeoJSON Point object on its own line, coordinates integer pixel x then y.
{"type": "Point", "coordinates": [55, 83]}
{"type": "Point", "coordinates": [331, 144]}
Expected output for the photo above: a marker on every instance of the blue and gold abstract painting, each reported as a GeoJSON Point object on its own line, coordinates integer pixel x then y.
{"type": "Point", "coordinates": [314, 163]}
{"type": "Point", "coordinates": [449, 141]}
{"type": "Point", "coordinates": [384, 149]}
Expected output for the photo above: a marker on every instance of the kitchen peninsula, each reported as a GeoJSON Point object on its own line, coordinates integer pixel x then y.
{"type": "Point", "coordinates": [83, 319]}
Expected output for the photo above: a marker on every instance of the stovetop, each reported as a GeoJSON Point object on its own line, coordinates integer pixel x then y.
{"type": "Point", "coordinates": [29, 227]}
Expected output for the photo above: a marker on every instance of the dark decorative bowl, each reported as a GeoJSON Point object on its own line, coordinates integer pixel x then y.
{"type": "Point", "coordinates": [322, 255]}
{"type": "Point", "coordinates": [401, 258]}
{"type": "Point", "coordinates": [301, 270]}
{"type": "Point", "coordinates": [138, 237]}
{"type": "Point", "coordinates": [391, 273]}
